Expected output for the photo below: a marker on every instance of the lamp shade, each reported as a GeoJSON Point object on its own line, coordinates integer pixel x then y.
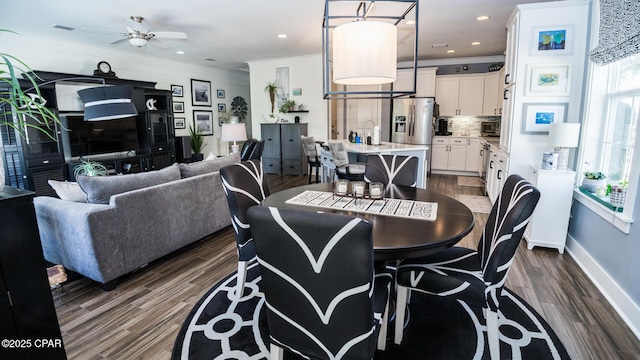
{"type": "Point", "coordinates": [233, 132]}
{"type": "Point", "coordinates": [365, 53]}
{"type": "Point", "coordinates": [564, 135]}
{"type": "Point", "coordinates": [107, 103]}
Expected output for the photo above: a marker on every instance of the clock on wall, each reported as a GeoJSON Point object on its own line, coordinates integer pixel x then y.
{"type": "Point", "coordinates": [239, 107]}
{"type": "Point", "coordinates": [104, 69]}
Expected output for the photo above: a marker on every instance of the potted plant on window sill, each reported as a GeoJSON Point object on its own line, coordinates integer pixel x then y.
{"type": "Point", "coordinates": [197, 143]}
{"type": "Point", "coordinates": [593, 180]}
{"type": "Point", "coordinates": [617, 193]}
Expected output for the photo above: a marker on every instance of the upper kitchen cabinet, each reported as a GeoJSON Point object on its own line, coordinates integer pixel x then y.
{"type": "Point", "coordinates": [544, 41]}
{"type": "Point", "coordinates": [492, 100]}
{"type": "Point", "coordinates": [460, 94]}
{"type": "Point", "coordinates": [425, 81]}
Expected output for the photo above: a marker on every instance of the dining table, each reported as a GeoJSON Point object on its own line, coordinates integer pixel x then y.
{"type": "Point", "coordinates": [395, 237]}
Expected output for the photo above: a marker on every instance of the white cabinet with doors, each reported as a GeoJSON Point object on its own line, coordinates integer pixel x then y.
{"type": "Point", "coordinates": [473, 158]}
{"type": "Point", "coordinates": [497, 172]}
{"type": "Point", "coordinates": [459, 154]}
{"type": "Point", "coordinates": [550, 220]}
{"type": "Point", "coordinates": [492, 100]}
{"type": "Point", "coordinates": [460, 94]}
{"type": "Point", "coordinates": [425, 81]}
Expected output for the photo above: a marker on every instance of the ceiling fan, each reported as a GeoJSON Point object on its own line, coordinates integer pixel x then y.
{"type": "Point", "coordinates": [138, 36]}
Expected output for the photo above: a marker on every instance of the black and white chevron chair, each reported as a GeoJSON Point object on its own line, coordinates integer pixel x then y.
{"type": "Point", "coordinates": [323, 299]}
{"type": "Point", "coordinates": [477, 277]}
{"type": "Point", "coordinates": [245, 186]}
{"type": "Point", "coordinates": [392, 169]}
{"type": "Point", "coordinates": [247, 148]}
{"type": "Point", "coordinates": [256, 152]}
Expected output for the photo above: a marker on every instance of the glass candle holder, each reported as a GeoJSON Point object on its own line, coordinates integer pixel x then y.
{"type": "Point", "coordinates": [358, 188]}
{"type": "Point", "coordinates": [341, 187]}
{"type": "Point", "coordinates": [376, 190]}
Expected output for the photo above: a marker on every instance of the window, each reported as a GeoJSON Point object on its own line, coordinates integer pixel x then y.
{"type": "Point", "coordinates": [611, 130]}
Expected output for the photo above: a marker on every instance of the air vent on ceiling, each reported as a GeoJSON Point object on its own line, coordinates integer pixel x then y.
{"type": "Point", "coordinates": [62, 27]}
{"type": "Point", "coordinates": [210, 59]}
{"type": "Point", "coordinates": [436, 46]}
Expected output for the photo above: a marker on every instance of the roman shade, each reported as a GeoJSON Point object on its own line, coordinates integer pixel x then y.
{"type": "Point", "coordinates": [619, 33]}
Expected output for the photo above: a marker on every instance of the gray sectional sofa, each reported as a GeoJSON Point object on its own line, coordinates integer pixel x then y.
{"type": "Point", "coordinates": [131, 220]}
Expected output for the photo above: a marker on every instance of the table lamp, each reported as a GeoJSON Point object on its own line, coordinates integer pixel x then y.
{"type": "Point", "coordinates": [233, 132]}
{"type": "Point", "coordinates": [563, 137]}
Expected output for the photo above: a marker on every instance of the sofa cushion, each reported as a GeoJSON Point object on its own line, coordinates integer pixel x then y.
{"type": "Point", "coordinates": [99, 189]}
{"type": "Point", "coordinates": [208, 166]}
{"type": "Point", "coordinates": [67, 190]}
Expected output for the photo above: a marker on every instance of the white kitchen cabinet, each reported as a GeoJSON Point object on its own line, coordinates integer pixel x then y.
{"type": "Point", "coordinates": [492, 99]}
{"type": "Point", "coordinates": [460, 94]}
{"type": "Point", "coordinates": [497, 172]}
{"type": "Point", "coordinates": [473, 157]}
{"type": "Point", "coordinates": [448, 153]}
{"type": "Point", "coordinates": [511, 52]}
{"type": "Point", "coordinates": [550, 220]}
{"type": "Point", "coordinates": [425, 81]}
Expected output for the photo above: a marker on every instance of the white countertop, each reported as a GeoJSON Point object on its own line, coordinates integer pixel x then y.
{"type": "Point", "coordinates": [384, 146]}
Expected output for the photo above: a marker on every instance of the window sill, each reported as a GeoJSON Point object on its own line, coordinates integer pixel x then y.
{"type": "Point", "coordinates": [617, 219]}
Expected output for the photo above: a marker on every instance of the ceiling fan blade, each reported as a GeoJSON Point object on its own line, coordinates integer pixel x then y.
{"type": "Point", "coordinates": [130, 30]}
{"type": "Point", "coordinates": [118, 41]}
{"type": "Point", "coordinates": [169, 34]}
{"type": "Point", "coordinates": [158, 43]}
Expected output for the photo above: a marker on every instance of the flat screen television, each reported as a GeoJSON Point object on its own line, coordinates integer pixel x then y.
{"type": "Point", "coordinates": [98, 137]}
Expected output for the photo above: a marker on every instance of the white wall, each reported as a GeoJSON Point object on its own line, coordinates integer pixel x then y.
{"type": "Point", "coordinates": [65, 57]}
{"type": "Point", "coordinates": [305, 72]}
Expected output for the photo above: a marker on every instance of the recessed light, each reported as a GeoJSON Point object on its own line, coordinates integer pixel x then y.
{"type": "Point", "coordinates": [451, 51]}
{"type": "Point", "coordinates": [482, 18]}
{"type": "Point", "coordinates": [180, 52]}
{"type": "Point", "coordinates": [475, 43]}
{"type": "Point", "coordinates": [282, 36]}
{"type": "Point", "coordinates": [410, 22]}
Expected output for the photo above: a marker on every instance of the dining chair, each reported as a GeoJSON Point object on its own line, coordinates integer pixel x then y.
{"type": "Point", "coordinates": [256, 152]}
{"type": "Point", "coordinates": [244, 185]}
{"type": "Point", "coordinates": [476, 277]}
{"type": "Point", "coordinates": [344, 169]}
{"type": "Point", "coordinates": [247, 148]}
{"type": "Point", "coordinates": [323, 299]}
{"type": "Point", "coordinates": [313, 158]}
{"type": "Point", "coordinates": [392, 169]}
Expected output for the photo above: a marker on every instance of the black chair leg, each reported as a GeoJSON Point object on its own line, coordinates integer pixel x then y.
{"type": "Point", "coordinates": [309, 173]}
{"type": "Point", "coordinates": [317, 174]}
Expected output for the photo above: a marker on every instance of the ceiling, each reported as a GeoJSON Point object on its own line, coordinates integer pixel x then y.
{"type": "Point", "coordinates": [233, 32]}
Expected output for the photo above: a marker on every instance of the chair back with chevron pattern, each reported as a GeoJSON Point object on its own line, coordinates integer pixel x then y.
{"type": "Point", "coordinates": [392, 169]}
{"type": "Point", "coordinates": [245, 186]}
{"type": "Point", "coordinates": [317, 276]}
{"type": "Point", "coordinates": [503, 231]}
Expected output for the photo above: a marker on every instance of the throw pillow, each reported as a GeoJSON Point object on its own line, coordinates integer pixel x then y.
{"type": "Point", "coordinates": [208, 166]}
{"type": "Point", "coordinates": [69, 191]}
{"type": "Point", "coordinates": [99, 189]}
{"type": "Point", "coordinates": [211, 156]}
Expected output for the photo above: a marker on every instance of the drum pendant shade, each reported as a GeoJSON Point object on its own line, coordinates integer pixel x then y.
{"type": "Point", "coordinates": [365, 53]}
{"type": "Point", "coordinates": [107, 103]}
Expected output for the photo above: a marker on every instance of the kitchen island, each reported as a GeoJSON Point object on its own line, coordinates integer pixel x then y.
{"type": "Point", "coordinates": [386, 148]}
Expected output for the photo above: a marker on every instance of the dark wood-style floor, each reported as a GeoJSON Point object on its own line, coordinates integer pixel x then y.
{"type": "Point", "coordinates": [140, 319]}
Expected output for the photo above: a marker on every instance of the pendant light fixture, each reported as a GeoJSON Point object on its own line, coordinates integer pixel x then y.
{"type": "Point", "coordinates": [360, 47]}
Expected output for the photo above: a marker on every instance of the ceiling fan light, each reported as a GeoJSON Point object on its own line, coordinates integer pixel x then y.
{"type": "Point", "coordinates": [365, 53]}
{"type": "Point", "coordinates": [137, 42]}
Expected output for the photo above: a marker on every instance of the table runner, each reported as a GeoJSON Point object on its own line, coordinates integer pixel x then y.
{"type": "Point", "coordinates": [418, 210]}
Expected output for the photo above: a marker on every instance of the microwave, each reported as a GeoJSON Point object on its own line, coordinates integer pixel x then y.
{"type": "Point", "coordinates": [490, 128]}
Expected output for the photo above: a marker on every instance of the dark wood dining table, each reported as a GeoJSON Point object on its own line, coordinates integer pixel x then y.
{"type": "Point", "coordinates": [396, 238]}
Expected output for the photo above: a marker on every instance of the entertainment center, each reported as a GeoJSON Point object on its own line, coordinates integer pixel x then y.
{"type": "Point", "coordinates": [129, 145]}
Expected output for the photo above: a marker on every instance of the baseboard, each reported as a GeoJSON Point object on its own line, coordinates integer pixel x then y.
{"type": "Point", "coordinates": [617, 297]}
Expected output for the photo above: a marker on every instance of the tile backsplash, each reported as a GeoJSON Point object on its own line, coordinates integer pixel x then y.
{"type": "Point", "coordinates": [467, 126]}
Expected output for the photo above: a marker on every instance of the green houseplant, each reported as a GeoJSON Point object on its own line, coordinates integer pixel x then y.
{"type": "Point", "coordinates": [197, 142]}
{"type": "Point", "coordinates": [593, 180]}
{"type": "Point", "coordinates": [272, 90]}
{"type": "Point", "coordinates": [288, 105]}
{"type": "Point", "coordinates": [89, 168]}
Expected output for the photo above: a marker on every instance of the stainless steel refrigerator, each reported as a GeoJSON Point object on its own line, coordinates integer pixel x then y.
{"type": "Point", "coordinates": [412, 122]}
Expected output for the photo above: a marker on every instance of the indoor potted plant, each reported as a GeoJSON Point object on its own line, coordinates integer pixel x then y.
{"type": "Point", "coordinates": [288, 105]}
{"type": "Point", "coordinates": [197, 143]}
{"type": "Point", "coordinates": [89, 168]}
{"type": "Point", "coordinates": [617, 193]}
{"type": "Point", "coordinates": [593, 180]}
{"type": "Point", "coordinates": [272, 90]}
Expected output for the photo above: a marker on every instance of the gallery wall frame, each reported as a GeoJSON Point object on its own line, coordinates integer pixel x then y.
{"type": "Point", "coordinates": [222, 107]}
{"type": "Point", "coordinates": [552, 40]}
{"type": "Point", "coordinates": [203, 120]}
{"type": "Point", "coordinates": [177, 91]}
{"type": "Point", "coordinates": [539, 116]}
{"type": "Point", "coordinates": [548, 80]}
{"type": "Point", "coordinates": [178, 107]}
{"type": "Point", "coordinates": [200, 92]}
{"type": "Point", "coordinates": [220, 93]}
{"type": "Point", "coordinates": [179, 123]}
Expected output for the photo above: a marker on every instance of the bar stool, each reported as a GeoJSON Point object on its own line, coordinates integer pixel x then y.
{"type": "Point", "coordinates": [313, 158]}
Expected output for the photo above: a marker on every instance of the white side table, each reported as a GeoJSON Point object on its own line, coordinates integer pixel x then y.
{"type": "Point", "coordinates": [550, 221]}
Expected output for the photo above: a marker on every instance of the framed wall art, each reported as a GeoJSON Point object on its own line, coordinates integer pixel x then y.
{"type": "Point", "coordinates": [538, 117]}
{"type": "Point", "coordinates": [552, 40]}
{"type": "Point", "coordinates": [548, 80]}
{"type": "Point", "coordinates": [220, 94]}
{"type": "Point", "coordinates": [179, 123]}
{"type": "Point", "coordinates": [177, 90]}
{"type": "Point", "coordinates": [200, 92]}
{"type": "Point", "coordinates": [203, 120]}
{"type": "Point", "coordinates": [178, 107]}
{"type": "Point", "coordinates": [222, 107]}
